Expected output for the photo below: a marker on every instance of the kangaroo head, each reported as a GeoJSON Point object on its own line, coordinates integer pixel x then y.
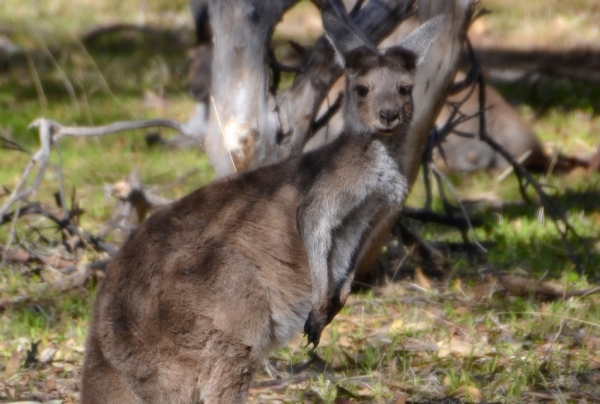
{"type": "Point", "coordinates": [378, 96]}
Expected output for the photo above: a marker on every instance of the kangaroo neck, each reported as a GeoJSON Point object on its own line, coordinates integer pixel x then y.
{"type": "Point", "coordinates": [393, 141]}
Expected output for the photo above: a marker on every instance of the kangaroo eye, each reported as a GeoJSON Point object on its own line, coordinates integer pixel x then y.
{"type": "Point", "coordinates": [405, 90]}
{"type": "Point", "coordinates": [362, 91]}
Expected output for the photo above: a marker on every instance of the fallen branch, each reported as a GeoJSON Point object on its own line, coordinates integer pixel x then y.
{"type": "Point", "coordinates": [60, 131]}
{"type": "Point", "coordinates": [41, 156]}
{"type": "Point", "coordinates": [51, 131]}
{"type": "Point", "coordinates": [63, 224]}
{"type": "Point", "coordinates": [112, 28]}
{"type": "Point", "coordinates": [27, 256]}
{"type": "Point", "coordinates": [431, 258]}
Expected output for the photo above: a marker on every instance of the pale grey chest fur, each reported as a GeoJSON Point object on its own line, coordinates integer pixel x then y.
{"type": "Point", "coordinates": [339, 209]}
{"type": "Point", "coordinates": [387, 190]}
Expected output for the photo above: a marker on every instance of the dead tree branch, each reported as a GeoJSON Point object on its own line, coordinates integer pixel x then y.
{"type": "Point", "coordinates": [42, 157]}
{"type": "Point", "coordinates": [331, 111]}
{"type": "Point", "coordinates": [112, 28]}
{"type": "Point", "coordinates": [76, 131]}
{"type": "Point", "coordinates": [428, 216]}
{"type": "Point", "coordinates": [64, 224]}
{"type": "Point", "coordinates": [51, 131]}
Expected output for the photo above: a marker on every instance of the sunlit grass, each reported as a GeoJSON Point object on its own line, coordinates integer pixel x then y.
{"type": "Point", "coordinates": [541, 23]}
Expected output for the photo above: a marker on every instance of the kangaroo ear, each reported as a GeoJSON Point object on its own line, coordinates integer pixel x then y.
{"type": "Point", "coordinates": [421, 39]}
{"type": "Point", "coordinates": [342, 33]}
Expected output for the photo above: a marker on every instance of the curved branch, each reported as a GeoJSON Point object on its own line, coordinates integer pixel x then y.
{"type": "Point", "coordinates": [82, 131]}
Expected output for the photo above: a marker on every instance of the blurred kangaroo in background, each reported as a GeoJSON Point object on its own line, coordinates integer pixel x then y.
{"type": "Point", "coordinates": [503, 123]}
{"type": "Point", "coordinates": [207, 285]}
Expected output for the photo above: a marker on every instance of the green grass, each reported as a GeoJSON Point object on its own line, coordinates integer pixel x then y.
{"type": "Point", "coordinates": [540, 24]}
{"type": "Point", "coordinates": [447, 339]}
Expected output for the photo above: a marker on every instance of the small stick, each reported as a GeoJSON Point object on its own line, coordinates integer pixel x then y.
{"type": "Point", "coordinates": [326, 117]}
{"type": "Point", "coordinates": [439, 174]}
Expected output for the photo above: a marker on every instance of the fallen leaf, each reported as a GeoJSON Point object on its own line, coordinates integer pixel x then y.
{"type": "Point", "coordinates": [50, 382]}
{"type": "Point", "coordinates": [471, 393]}
{"type": "Point", "coordinates": [47, 355]}
{"type": "Point", "coordinates": [400, 398]}
{"type": "Point", "coordinates": [396, 326]}
{"type": "Point", "coordinates": [13, 364]}
{"type": "Point", "coordinates": [422, 279]}
{"type": "Point", "coordinates": [454, 346]}
{"type": "Point", "coordinates": [418, 326]}
{"type": "Point", "coordinates": [344, 342]}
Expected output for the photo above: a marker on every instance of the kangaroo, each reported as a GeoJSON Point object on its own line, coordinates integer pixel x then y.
{"type": "Point", "coordinates": [207, 285]}
{"type": "Point", "coordinates": [503, 123]}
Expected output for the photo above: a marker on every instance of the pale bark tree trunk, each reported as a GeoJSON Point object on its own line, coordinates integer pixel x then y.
{"type": "Point", "coordinates": [243, 121]}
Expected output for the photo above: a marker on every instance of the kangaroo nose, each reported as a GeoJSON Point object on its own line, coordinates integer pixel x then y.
{"type": "Point", "coordinates": [388, 116]}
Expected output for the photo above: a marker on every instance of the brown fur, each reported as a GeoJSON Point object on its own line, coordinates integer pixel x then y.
{"type": "Point", "coordinates": [206, 286]}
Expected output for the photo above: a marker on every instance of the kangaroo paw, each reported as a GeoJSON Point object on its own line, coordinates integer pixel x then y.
{"type": "Point", "coordinates": [314, 327]}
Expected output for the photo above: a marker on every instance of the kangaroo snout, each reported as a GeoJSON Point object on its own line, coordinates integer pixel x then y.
{"type": "Point", "coordinates": [388, 116]}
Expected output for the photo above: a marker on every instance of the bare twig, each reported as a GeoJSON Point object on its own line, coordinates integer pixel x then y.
{"type": "Point", "coordinates": [428, 216]}
{"type": "Point", "coordinates": [64, 224]}
{"type": "Point", "coordinates": [439, 175]}
{"type": "Point", "coordinates": [431, 257]}
{"type": "Point", "coordinates": [8, 144]}
{"type": "Point", "coordinates": [438, 135]}
{"type": "Point", "coordinates": [112, 28]}
{"type": "Point", "coordinates": [326, 117]}
{"type": "Point", "coordinates": [11, 234]}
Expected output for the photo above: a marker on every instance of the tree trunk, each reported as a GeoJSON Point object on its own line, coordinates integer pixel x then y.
{"type": "Point", "coordinates": [243, 121]}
